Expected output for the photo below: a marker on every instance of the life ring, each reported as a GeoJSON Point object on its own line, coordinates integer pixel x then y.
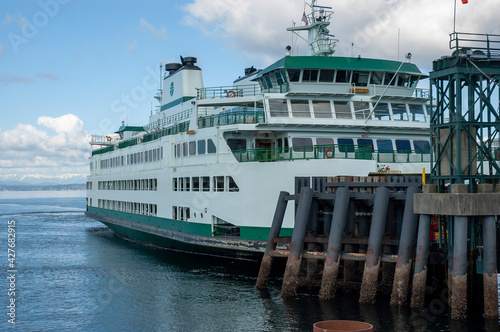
{"type": "Point", "coordinates": [329, 153]}
{"type": "Point", "coordinates": [231, 94]}
{"type": "Point", "coordinates": [108, 138]}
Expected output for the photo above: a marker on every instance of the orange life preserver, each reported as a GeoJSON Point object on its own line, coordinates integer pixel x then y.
{"type": "Point", "coordinates": [231, 94]}
{"type": "Point", "coordinates": [329, 153]}
{"type": "Point", "coordinates": [108, 138]}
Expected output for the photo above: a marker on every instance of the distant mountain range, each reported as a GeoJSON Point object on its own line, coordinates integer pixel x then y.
{"type": "Point", "coordinates": [42, 187]}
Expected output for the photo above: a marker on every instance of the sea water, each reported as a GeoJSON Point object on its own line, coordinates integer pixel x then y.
{"type": "Point", "coordinates": [72, 273]}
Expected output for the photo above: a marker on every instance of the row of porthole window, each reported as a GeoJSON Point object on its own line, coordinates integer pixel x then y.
{"type": "Point", "coordinates": [130, 207]}
{"type": "Point", "coordinates": [148, 156]}
{"type": "Point", "coordinates": [193, 148]}
{"type": "Point", "coordinates": [203, 183]}
{"type": "Point", "coordinates": [137, 184]}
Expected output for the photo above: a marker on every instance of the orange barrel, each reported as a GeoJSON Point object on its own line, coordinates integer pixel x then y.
{"type": "Point", "coordinates": [342, 326]}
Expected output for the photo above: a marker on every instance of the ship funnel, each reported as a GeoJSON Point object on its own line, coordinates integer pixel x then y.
{"type": "Point", "coordinates": [172, 67]}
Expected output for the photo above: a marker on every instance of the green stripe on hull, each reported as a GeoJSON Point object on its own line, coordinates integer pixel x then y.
{"type": "Point", "coordinates": [188, 227]}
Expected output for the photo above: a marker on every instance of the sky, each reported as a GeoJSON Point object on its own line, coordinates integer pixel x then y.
{"type": "Point", "coordinates": [73, 68]}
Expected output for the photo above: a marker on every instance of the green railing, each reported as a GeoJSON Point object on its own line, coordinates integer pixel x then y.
{"type": "Point", "coordinates": [333, 151]}
{"type": "Point", "coordinates": [181, 127]}
{"type": "Point", "coordinates": [125, 144]}
{"type": "Point", "coordinates": [228, 118]}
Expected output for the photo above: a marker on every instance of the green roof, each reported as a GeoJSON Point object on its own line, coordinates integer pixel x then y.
{"type": "Point", "coordinates": [129, 128]}
{"type": "Point", "coordinates": [343, 63]}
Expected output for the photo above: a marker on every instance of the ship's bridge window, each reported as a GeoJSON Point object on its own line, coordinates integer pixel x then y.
{"type": "Point", "coordinates": [278, 107]}
{"type": "Point", "coordinates": [360, 78]}
{"type": "Point", "coordinates": [384, 145]}
{"type": "Point", "coordinates": [422, 147]}
{"type": "Point", "coordinates": [201, 146]}
{"type": "Point", "coordinates": [387, 78]}
{"type": "Point", "coordinates": [403, 146]}
{"type": "Point", "coordinates": [279, 77]}
{"type": "Point", "coordinates": [343, 76]}
{"type": "Point", "coordinates": [211, 146]}
{"type": "Point", "coordinates": [293, 75]}
{"type": "Point", "coordinates": [237, 144]}
{"type": "Point", "coordinates": [326, 75]}
{"type": "Point", "coordinates": [322, 109]}
{"type": "Point", "coordinates": [267, 82]}
{"type": "Point", "coordinates": [381, 112]}
{"type": "Point", "coordinates": [377, 77]}
{"type": "Point", "coordinates": [310, 75]}
{"type": "Point", "coordinates": [399, 112]}
{"type": "Point", "coordinates": [342, 109]}
{"type": "Point", "coordinates": [300, 108]}
{"type": "Point", "coordinates": [362, 142]}
{"type": "Point", "coordinates": [361, 109]}
{"type": "Point", "coordinates": [346, 144]}
{"type": "Point", "coordinates": [301, 144]}
{"type": "Point", "coordinates": [417, 113]}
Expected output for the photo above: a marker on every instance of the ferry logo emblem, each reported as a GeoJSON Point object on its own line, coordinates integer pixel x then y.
{"type": "Point", "coordinates": [171, 89]}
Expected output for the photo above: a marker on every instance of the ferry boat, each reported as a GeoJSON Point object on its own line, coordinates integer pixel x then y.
{"type": "Point", "coordinates": [205, 173]}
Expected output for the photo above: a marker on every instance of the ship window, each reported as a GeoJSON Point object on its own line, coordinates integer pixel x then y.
{"type": "Point", "coordinates": [185, 149]}
{"type": "Point", "coordinates": [279, 78]}
{"type": "Point", "coordinates": [324, 141]}
{"type": "Point", "coordinates": [384, 145]}
{"type": "Point", "coordinates": [360, 78]}
{"type": "Point", "coordinates": [387, 78]}
{"type": "Point", "coordinates": [181, 184]}
{"type": "Point", "coordinates": [218, 183]}
{"type": "Point", "coordinates": [342, 110]}
{"type": "Point", "coordinates": [322, 109]}
{"type": "Point", "coordinates": [310, 75]}
{"type": "Point", "coordinates": [187, 182]}
{"type": "Point", "coordinates": [422, 147]}
{"type": "Point", "coordinates": [417, 113]}
{"type": "Point", "coordinates": [300, 108]}
{"type": "Point", "coordinates": [403, 146]}
{"type": "Point", "coordinates": [181, 213]}
{"type": "Point", "coordinates": [361, 109]}
{"type": "Point", "coordinates": [377, 77]}
{"type": "Point", "coordinates": [343, 76]}
{"type": "Point", "coordinates": [206, 183]}
{"type": "Point", "coordinates": [293, 75]}
{"type": "Point", "coordinates": [196, 183]}
{"type": "Point", "coordinates": [381, 112]}
{"type": "Point", "coordinates": [365, 142]}
{"type": "Point", "coordinates": [301, 144]}
{"type": "Point", "coordinates": [237, 144]}
{"type": "Point", "coordinates": [278, 107]}
{"type": "Point", "coordinates": [192, 148]}
{"type": "Point", "coordinates": [188, 213]}
{"type": "Point", "coordinates": [177, 150]}
{"type": "Point", "coordinates": [267, 82]}
{"type": "Point", "coordinates": [201, 146]}
{"type": "Point", "coordinates": [399, 112]}
{"type": "Point", "coordinates": [326, 75]}
{"type": "Point", "coordinates": [211, 146]}
{"type": "Point", "coordinates": [346, 144]}
{"type": "Point", "coordinates": [146, 156]}
{"type": "Point", "coordinates": [232, 186]}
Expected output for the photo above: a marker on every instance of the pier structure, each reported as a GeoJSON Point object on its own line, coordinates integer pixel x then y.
{"type": "Point", "coordinates": [465, 167]}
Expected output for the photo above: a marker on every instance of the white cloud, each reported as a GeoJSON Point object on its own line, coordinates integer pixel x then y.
{"type": "Point", "coordinates": [132, 46]}
{"type": "Point", "coordinates": [257, 28]}
{"type": "Point", "coordinates": [59, 149]}
{"type": "Point", "coordinates": [160, 33]}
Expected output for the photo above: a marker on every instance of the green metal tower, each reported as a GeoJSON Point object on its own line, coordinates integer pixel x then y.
{"type": "Point", "coordinates": [465, 120]}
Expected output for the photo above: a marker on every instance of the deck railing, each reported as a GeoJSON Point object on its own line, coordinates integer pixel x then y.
{"type": "Point", "coordinates": [333, 151]}
{"type": "Point", "coordinates": [228, 118]}
{"type": "Point", "coordinates": [228, 91]}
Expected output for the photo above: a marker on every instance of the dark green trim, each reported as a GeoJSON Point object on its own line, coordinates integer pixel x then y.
{"type": "Point", "coordinates": [176, 102]}
{"type": "Point", "coordinates": [129, 128]}
{"type": "Point", "coordinates": [344, 63]}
